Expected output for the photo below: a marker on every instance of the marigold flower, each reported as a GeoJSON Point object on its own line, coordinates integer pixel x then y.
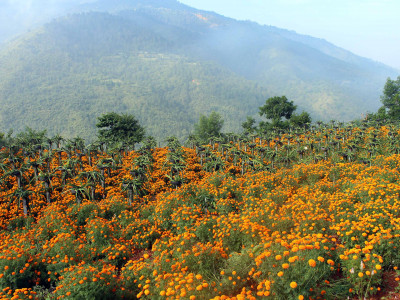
{"type": "Point", "coordinates": [285, 266]}
{"type": "Point", "coordinates": [312, 263]}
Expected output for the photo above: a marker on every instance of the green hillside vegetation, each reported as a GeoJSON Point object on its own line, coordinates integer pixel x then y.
{"type": "Point", "coordinates": [167, 64]}
{"type": "Point", "coordinates": [66, 91]}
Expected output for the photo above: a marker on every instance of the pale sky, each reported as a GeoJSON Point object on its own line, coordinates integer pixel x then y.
{"type": "Point", "coordinates": [370, 28]}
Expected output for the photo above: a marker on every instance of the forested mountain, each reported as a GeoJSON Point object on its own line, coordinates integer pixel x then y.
{"type": "Point", "coordinates": [167, 63]}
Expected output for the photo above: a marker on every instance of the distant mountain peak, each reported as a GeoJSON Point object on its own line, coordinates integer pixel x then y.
{"type": "Point", "coordinates": [118, 5]}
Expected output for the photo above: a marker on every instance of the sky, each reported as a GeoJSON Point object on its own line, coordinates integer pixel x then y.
{"type": "Point", "coordinates": [369, 28]}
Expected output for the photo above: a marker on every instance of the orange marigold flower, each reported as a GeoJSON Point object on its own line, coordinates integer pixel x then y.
{"type": "Point", "coordinates": [312, 263]}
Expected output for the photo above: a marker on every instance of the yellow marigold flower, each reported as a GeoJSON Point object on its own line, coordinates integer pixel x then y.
{"type": "Point", "coordinates": [293, 284]}
{"type": "Point", "coordinates": [360, 274]}
{"type": "Point", "coordinates": [378, 267]}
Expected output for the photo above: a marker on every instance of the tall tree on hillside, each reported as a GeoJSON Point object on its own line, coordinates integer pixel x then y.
{"type": "Point", "coordinates": [119, 128]}
{"type": "Point", "coordinates": [2, 140]}
{"type": "Point", "coordinates": [275, 110]}
{"type": "Point", "coordinates": [208, 127]}
{"type": "Point", "coordinates": [391, 98]}
{"type": "Point", "coordinates": [300, 120]}
{"type": "Point", "coordinates": [249, 125]}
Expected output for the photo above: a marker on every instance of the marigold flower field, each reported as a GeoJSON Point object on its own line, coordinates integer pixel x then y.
{"type": "Point", "coordinates": [313, 214]}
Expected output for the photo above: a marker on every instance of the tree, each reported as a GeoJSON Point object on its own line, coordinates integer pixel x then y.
{"type": "Point", "coordinates": [208, 127]}
{"type": "Point", "coordinates": [30, 137]}
{"type": "Point", "coordinates": [391, 98]}
{"type": "Point", "coordinates": [301, 120]}
{"type": "Point", "coordinates": [248, 125]}
{"type": "Point", "coordinates": [2, 140]}
{"type": "Point", "coordinates": [379, 115]}
{"type": "Point", "coordinates": [119, 128]}
{"type": "Point", "coordinates": [274, 110]}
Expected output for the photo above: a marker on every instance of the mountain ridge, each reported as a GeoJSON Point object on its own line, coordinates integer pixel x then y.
{"type": "Point", "coordinates": [89, 56]}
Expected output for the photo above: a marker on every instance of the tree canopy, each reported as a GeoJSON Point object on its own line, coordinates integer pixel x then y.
{"type": "Point", "coordinates": [31, 137]}
{"type": "Point", "coordinates": [208, 127]}
{"type": "Point", "coordinates": [249, 125]}
{"type": "Point", "coordinates": [279, 112]}
{"type": "Point", "coordinates": [2, 140]}
{"type": "Point", "coordinates": [300, 120]}
{"type": "Point", "coordinates": [391, 98]}
{"type": "Point", "coordinates": [119, 128]}
{"type": "Point", "coordinates": [274, 109]}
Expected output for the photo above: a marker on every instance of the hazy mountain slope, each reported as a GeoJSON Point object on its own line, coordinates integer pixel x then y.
{"type": "Point", "coordinates": [166, 63]}
{"type": "Point", "coordinates": [86, 75]}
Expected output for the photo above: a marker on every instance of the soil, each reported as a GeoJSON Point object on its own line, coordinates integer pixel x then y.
{"type": "Point", "coordinates": [389, 289]}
